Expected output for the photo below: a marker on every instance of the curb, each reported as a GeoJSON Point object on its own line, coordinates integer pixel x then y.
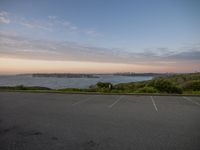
{"type": "Point", "coordinates": [98, 93]}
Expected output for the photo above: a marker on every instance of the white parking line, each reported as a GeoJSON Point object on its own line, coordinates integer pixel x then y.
{"type": "Point", "coordinates": [187, 98]}
{"type": "Point", "coordinates": [154, 104]}
{"type": "Point", "coordinates": [85, 100]}
{"type": "Point", "coordinates": [110, 106]}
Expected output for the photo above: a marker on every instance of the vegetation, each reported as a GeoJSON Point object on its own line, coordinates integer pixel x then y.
{"type": "Point", "coordinates": [176, 84]}
{"type": "Point", "coordinates": [147, 89]}
{"type": "Point", "coordinates": [21, 87]}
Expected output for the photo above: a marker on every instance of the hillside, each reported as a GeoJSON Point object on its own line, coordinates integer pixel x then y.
{"type": "Point", "coordinates": [179, 83]}
{"type": "Point", "coordinates": [173, 84]}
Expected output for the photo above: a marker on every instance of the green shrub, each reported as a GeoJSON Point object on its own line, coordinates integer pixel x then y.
{"type": "Point", "coordinates": [6, 88]}
{"type": "Point", "coordinates": [22, 87]}
{"type": "Point", "coordinates": [104, 85]}
{"type": "Point", "coordinates": [192, 85]}
{"type": "Point", "coordinates": [166, 86]}
{"type": "Point", "coordinates": [36, 88]}
{"type": "Point", "coordinates": [70, 90]}
{"type": "Point", "coordinates": [140, 84]}
{"type": "Point", "coordinates": [195, 92]}
{"type": "Point", "coordinates": [125, 86]}
{"type": "Point", "coordinates": [147, 89]}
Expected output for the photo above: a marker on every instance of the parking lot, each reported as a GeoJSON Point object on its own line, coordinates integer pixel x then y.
{"type": "Point", "coordinates": [39, 121]}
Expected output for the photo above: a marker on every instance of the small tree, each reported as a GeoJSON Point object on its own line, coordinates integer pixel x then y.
{"type": "Point", "coordinates": [104, 85]}
{"type": "Point", "coordinates": [166, 86]}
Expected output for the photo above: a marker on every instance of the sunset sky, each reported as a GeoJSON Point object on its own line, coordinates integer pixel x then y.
{"type": "Point", "coordinates": [99, 36]}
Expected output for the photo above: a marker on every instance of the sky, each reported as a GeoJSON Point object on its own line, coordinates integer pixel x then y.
{"type": "Point", "coordinates": [99, 36]}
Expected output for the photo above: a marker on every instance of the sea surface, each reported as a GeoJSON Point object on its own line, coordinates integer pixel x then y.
{"type": "Point", "coordinates": [57, 83]}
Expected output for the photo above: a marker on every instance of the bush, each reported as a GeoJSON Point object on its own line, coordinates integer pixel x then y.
{"type": "Point", "coordinates": [36, 88]}
{"type": "Point", "coordinates": [22, 87]}
{"type": "Point", "coordinates": [70, 90]}
{"type": "Point", "coordinates": [166, 86]}
{"type": "Point", "coordinates": [140, 84]}
{"type": "Point", "coordinates": [147, 89]}
{"type": "Point", "coordinates": [192, 85]}
{"type": "Point", "coordinates": [125, 86]}
{"type": "Point", "coordinates": [104, 85]}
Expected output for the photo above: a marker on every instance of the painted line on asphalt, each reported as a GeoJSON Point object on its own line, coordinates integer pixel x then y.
{"type": "Point", "coordinates": [154, 104]}
{"type": "Point", "coordinates": [190, 100]}
{"type": "Point", "coordinates": [110, 106]}
{"type": "Point", "coordinates": [83, 101]}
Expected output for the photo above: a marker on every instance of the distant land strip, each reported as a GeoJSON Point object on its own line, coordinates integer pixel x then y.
{"type": "Point", "coordinates": [82, 75]}
{"type": "Point", "coordinates": [64, 75]}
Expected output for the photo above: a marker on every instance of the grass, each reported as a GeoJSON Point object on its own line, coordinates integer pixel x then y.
{"type": "Point", "coordinates": [175, 84]}
{"type": "Point", "coordinates": [21, 87]}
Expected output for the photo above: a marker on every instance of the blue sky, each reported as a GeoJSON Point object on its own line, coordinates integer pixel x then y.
{"type": "Point", "coordinates": [117, 31]}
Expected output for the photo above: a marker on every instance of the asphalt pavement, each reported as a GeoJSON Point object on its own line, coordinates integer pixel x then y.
{"type": "Point", "coordinates": [53, 121]}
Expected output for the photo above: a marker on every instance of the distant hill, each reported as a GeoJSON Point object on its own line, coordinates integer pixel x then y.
{"type": "Point", "coordinates": [64, 75]}
{"type": "Point", "coordinates": [144, 74]}
{"type": "Point", "coordinates": [177, 83]}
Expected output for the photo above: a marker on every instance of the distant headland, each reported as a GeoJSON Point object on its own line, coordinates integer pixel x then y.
{"type": "Point", "coordinates": [94, 75]}
{"type": "Point", "coordinates": [64, 75]}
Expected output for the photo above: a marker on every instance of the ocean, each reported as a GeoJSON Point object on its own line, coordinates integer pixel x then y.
{"type": "Point", "coordinates": [58, 83]}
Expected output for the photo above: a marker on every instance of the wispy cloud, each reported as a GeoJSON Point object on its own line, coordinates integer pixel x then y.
{"type": "Point", "coordinates": [92, 32]}
{"type": "Point", "coordinates": [16, 46]}
{"type": "Point", "coordinates": [51, 23]}
{"type": "Point", "coordinates": [70, 26]}
{"type": "Point", "coordinates": [52, 17]}
{"type": "Point", "coordinates": [188, 52]}
{"type": "Point", "coordinates": [35, 25]}
{"type": "Point", "coordinates": [4, 18]}
{"type": "Point", "coordinates": [59, 22]}
{"type": "Point", "coordinates": [8, 18]}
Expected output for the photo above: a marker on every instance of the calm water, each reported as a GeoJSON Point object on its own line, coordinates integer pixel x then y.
{"type": "Point", "coordinates": [56, 83]}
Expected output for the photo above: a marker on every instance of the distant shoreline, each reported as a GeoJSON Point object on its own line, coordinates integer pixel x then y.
{"type": "Point", "coordinates": [85, 75]}
{"type": "Point", "coordinates": [175, 84]}
{"type": "Point", "coordinates": [66, 81]}
{"type": "Point", "coordinates": [64, 75]}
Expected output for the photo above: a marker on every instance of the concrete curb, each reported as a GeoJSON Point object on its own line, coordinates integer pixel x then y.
{"type": "Point", "coordinates": [98, 93]}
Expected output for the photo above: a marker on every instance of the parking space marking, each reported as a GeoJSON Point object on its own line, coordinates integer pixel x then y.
{"type": "Point", "coordinates": [85, 100]}
{"type": "Point", "coordinates": [154, 104]}
{"type": "Point", "coordinates": [189, 99]}
{"type": "Point", "coordinates": [110, 106]}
